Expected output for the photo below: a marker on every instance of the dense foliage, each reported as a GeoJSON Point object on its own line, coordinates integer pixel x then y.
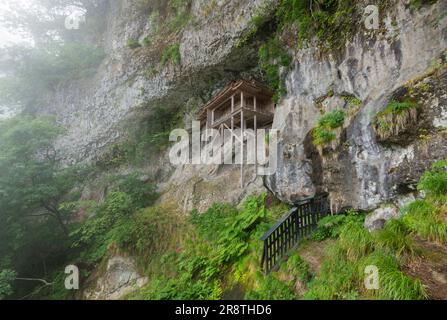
{"type": "Point", "coordinates": [33, 184]}
{"type": "Point", "coordinates": [39, 197]}
{"type": "Point", "coordinates": [222, 242]}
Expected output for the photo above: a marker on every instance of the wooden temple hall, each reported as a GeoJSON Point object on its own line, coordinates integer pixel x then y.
{"type": "Point", "coordinates": [241, 104]}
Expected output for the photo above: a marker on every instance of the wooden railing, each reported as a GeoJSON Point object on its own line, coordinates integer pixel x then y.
{"type": "Point", "coordinates": [298, 224]}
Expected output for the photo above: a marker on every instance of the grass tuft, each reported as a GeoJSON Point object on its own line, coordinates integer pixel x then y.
{"type": "Point", "coordinates": [324, 133]}
{"type": "Point", "coordinates": [423, 219]}
{"type": "Point", "coordinates": [394, 237]}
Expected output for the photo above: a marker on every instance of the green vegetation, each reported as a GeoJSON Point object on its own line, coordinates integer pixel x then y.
{"type": "Point", "coordinates": [133, 43]}
{"type": "Point", "coordinates": [395, 118]}
{"type": "Point", "coordinates": [329, 227]}
{"type": "Point", "coordinates": [271, 288]}
{"type": "Point", "coordinates": [147, 42]}
{"type": "Point", "coordinates": [330, 22]}
{"type": "Point", "coordinates": [393, 283]}
{"type": "Point", "coordinates": [31, 175]}
{"type": "Point", "coordinates": [181, 16]}
{"type": "Point", "coordinates": [210, 255]}
{"type": "Point", "coordinates": [418, 4]}
{"type": "Point", "coordinates": [395, 237]}
{"type": "Point", "coordinates": [332, 120]}
{"type": "Point", "coordinates": [40, 201]}
{"type": "Point", "coordinates": [256, 23]}
{"type": "Point", "coordinates": [395, 107]}
{"type": "Point", "coordinates": [425, 217]}
{"type": "Point", "coordinates": [115, 221]}
{"type": "Point", "coordinates": [171, 54]}
{"type": "Point", "coordinates": [6, 278]}
{"type": "Point", "coordinates": [220, 251]}
{"type": "Point", "coordinates": [298, 268]}
{"type": "Point", "coordinates": [342, 272]}
{"type": "Point", "coordinates": [273, 56]}
{"type": "Point", "coordinates": [434, 181]}
{"type": "Point", "coordinates": [148, 137]}
{"type": "Point", "coordinates": [324, 133]}
{"type": "Point", "coordinates": [33, 187]}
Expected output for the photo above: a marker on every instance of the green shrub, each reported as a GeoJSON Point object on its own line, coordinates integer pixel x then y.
{"type": "Point", "coordinates": [151, 232]}
{"type": "Point", "coordinates": [171, 54]}
{"type": "Point", "coordinates": [297, 267]}
{"type": "Point", "coordinates": [355, 239]}
{"type": "Point", "coordinates": [332, 120]}
{"type": "Point", "coordinates": [338, 278]}
{"type": "Point", "coordinates": [324, 133]}
{"type": "Point", "coordinates": [147, 42]}
{"type": "Point", "coordinates": [330, 22]}
{"type": "Point", "coordinates": [217, 218]}
{"type": "Point", "coordinates": [6, 278]}
{"type": "Point", "coordinates": [116, 155]}
{"type": "Point", "coordinates": [422, 218]}
{"type": "Point", "coordinates": [395, 118]}
{"type": "Point", "coordinates": [329, 227]}
{"type": "Point", "coordinates": [96, 234]}
{"type": "Point", "coordinates": [180, 17]}
{"type": "Point", "coordinates": [394, 237]}
{"type": "Point", "coordinates": [271, 288]}
{"type": "Point", "coordinates": [434, 181]}
{"type": "Point", "coordinates": [396, 107]}
{"type": "Point", "coordinates": [232, 242]}
{"type": "Point", "coordinates": [393, 283]}
{"type": "Point", "coordinates": [133, 43]}
{"type": "Point", "coordinates": [220, 240]}
{"type": "Point", "coordinates": [256, 23]}
{"type": "Point", "coordinates": [272, 56]}
{"type": "Point", "coordinates": [143, 194]}
{"type": "Point", "coordinates": [322, 136]}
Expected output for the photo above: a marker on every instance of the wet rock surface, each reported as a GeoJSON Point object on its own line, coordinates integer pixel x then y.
{"type": "Point", "coordinates": [120, 277]}
{"type": "Point", "coordinates": [359, 171]}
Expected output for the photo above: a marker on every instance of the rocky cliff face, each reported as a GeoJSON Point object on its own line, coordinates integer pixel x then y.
{"type": "Point", "coordinates": [130, 82]}
{"type": "Point", "coordinates": [119, 277]}
{"type": "Point", "coordinates": [359, 171]}
{"type": "Point", "coordinates": [376, 66]}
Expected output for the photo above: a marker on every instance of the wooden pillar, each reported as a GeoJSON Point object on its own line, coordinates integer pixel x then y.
{"type": "Point", "coordinates": [208, 118]}
{"type": "Point", "coordinates": [212, 117]}
{"type": "Point", "coordinates": [256, 142]}
{"type": "Point", "coordinates": [242, 145]}
{"type": "Point", "coordinates": [222, 135]}
{"type": "Point", "coordinates": [232, 103]}
{"type": "Point", "coordinates": [254, 103]}
{"type": "Point", "coordinates": [242, 100]}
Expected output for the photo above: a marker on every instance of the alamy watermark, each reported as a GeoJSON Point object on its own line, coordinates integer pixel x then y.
{"type": "Point", "coordinates": [74, 18]}
{"type": "Point", "coordinates": [372, 277]}
{"type": "Point", "coordinates": [227, 146]}
{"type": "Point", "coordinates": [72, 280]}
{"type": "Point", "coordinates": [372, 19]}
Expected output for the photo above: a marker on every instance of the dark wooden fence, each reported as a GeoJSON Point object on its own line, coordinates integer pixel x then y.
{"type": "Point", "coordinates": [295, 226]}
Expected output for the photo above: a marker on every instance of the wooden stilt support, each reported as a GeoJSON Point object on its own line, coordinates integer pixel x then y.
{"type": "Point", "coordinates": [242, 146]}
{"type": "Point", "coordinates": [256, 142]}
